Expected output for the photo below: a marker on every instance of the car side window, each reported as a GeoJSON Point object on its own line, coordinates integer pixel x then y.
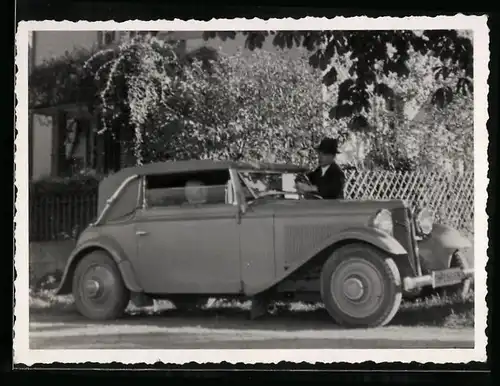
{"type": "Point", "coordinates": [189, 189]}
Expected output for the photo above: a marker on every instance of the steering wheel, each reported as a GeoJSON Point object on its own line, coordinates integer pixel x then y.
{"type": "Point", "coordinates": [268, 194]}
{"type": "Point", "coordinates": [306, 195]}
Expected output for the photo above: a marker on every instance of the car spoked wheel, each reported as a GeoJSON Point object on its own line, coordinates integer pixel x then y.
{"type": "Point", "coordinates": [360, 287]}
{"type": "Point", "coordinates": [98, 287]}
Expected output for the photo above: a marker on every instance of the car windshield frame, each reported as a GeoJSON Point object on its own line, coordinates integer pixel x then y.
{"type": "Point", "coordinates": [255, 194]}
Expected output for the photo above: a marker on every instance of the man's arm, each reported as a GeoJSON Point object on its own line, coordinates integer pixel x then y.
{"type": "Point", "coordinates": [306, 188]}
{"type": "Point", "coordinates": [313, 178]}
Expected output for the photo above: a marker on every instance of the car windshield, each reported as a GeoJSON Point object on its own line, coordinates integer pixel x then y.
{"type": "Point", "coordinates": [267, 183]}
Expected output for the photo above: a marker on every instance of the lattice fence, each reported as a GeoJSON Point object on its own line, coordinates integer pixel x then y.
{"type": "Point", "coordinates": [449, 195]}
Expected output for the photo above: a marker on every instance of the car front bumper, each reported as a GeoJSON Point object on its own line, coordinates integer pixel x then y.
{"type": "Point", "coordinates": [437, 279]}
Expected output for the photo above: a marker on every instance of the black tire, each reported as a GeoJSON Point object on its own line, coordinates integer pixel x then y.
{"type": "Point", "coordinates": [108, 299]}
{"type": "Point", "coordinates": [462, 289]}
{"type": "Point", "coordinates": [376, 278]}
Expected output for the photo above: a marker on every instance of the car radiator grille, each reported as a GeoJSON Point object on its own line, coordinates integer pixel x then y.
{"type": "Point", "coordinates": [404, 233]}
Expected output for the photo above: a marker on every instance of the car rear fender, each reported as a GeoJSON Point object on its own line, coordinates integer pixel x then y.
{"type": "Point", "coordinates": [372, 236]}
{"type": "Point", "coordinates": [436, 250]}
{"type": "Point", "coordinates": [113, 249]}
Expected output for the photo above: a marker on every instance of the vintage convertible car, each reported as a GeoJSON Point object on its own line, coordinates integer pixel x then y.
{"type": "Point", "coordinates": [193, 230]}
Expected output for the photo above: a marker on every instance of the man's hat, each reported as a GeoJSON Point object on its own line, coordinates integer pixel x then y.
{"type": "Point", "coordinates": [329, 146]}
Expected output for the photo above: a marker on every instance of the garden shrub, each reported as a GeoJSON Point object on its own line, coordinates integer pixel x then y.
{"type": "Point", "coordinates": [77, 184]}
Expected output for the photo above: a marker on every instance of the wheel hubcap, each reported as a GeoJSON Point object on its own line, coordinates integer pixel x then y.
{"type": "Point", "coordinates": [353, 288]}
{"type": "Point", "coordinates": [96, 286]}
{"type": "Point", "coordinates": [92, 288]}
{"type": "Point", "coordinates": [357, 287]}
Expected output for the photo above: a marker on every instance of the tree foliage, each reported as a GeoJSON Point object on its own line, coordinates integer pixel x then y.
{"type": "Point", "coordinates": [373, 53]}
{"type": "Point", "coordinates": [134, 86]}
{"type": "Point", "coordinates": [258, 106]}
{"type": "Point", "coordinates": [61, 80]}
{"type": "Point", "coordinates": [413, 132]}
{"type": "Point", "coordinates": [139, 83]}
{"type": "Point", "coordinates": [266, 106]}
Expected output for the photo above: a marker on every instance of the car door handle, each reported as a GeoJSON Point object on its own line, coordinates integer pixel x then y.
{"type": "Point", "coordinates": [141, 233]}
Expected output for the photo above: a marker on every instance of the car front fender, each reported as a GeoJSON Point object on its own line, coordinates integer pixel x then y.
{"type": "Point", "coordinates": [369, 235]}
{"type": "Point", "coordinates": [436, 250]}
{"type": "Point", "coordinates": [115, 251]}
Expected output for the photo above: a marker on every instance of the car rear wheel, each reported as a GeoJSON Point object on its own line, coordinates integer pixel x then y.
{"type": "Point", "coordinates": [360, 287]}
{"type": "Point", "coordinates": [98, 287]}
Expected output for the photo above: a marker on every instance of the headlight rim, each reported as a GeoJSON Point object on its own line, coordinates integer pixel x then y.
{"type": "Point", "coordinates": [418, 222]}
{"type": "Point", "coordinates": [377, 215]}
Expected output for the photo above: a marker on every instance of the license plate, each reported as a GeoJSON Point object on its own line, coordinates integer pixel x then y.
{"type": "Point", "coordinates": [447, 277]}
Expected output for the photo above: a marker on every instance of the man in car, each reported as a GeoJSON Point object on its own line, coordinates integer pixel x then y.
{"type": "Point", "coordinates": [195, 192]}
{"type": "Point", "coordinates": [327, 179]}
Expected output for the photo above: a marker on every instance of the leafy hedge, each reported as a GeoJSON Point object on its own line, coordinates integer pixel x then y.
{"type": "Point", "coordinates": [79, 76]}
{"type": "Point", "coordinates": [62, 80]}
{"type": "Point", "coordinates": [78, 184]}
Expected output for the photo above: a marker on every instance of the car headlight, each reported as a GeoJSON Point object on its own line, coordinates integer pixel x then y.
{"type": "Point", "coordinates": [383, 221]}
{"type": "Point", "coordinates": [424, 221]}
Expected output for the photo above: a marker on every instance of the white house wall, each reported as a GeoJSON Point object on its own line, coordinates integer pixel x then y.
{"type": "Point", "coordinates": [54, 44]}
{"type": "Point", "coordinates": [42, 147]}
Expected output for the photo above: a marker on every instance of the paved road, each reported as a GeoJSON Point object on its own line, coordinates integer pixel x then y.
{"type": "Point", "coordinates": [231, 330]}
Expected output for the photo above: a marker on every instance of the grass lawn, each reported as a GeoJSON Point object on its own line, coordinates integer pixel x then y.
{"type": "Point", "coordinates": [432, 311]}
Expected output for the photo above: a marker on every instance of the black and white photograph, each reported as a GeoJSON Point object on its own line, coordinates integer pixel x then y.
{"type": "Point", "coordinates": [252, 191]}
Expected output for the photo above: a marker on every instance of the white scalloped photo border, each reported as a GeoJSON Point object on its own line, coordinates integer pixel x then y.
{"type": "Point", "coordinates": [24, 355]}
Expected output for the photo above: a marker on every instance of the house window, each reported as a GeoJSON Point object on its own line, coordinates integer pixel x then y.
{"type": "Point", "coordinates": [189, 189]}
{"type": "Point", "coordinates": [126, 35]}
{"type": "Point", "coordinates": [108, 37]}
{"type": "Point", "coordinates": [77, 145]}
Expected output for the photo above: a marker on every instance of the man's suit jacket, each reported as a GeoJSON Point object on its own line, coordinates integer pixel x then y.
{"type": "Point", "coordinates": [331, 185]}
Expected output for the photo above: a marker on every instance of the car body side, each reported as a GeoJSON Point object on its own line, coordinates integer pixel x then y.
{"type": "Point", "coordinates": [235, 250]}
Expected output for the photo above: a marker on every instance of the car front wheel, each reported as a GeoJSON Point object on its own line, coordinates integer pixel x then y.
{"type": "Point", "coordinates": [360, 287]}
{"type": "Point", "coordinates": [461, 290]}
{"type": "Point", "coordinates": [98, 287]}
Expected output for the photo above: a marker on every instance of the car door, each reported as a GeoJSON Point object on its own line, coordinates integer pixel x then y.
{"type": "Point", "coordinates": [189, 249]}
{"type": "Point", "coordinates": [258, 266]}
